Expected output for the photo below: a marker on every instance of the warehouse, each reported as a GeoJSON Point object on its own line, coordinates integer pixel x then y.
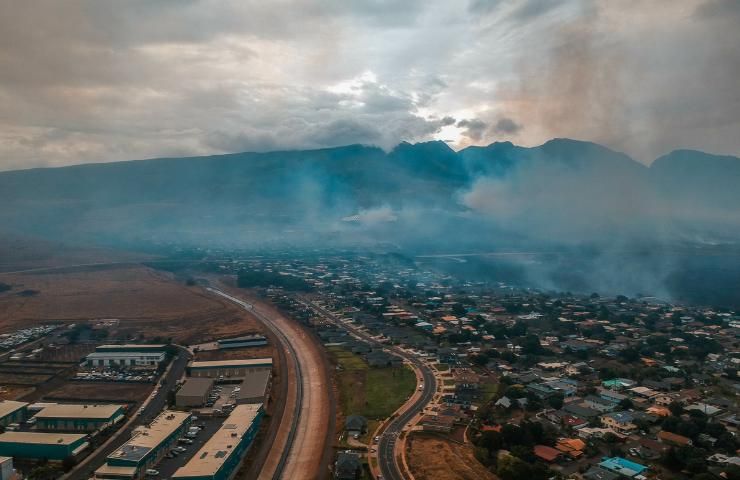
{"type": "Point", "coordinates": [78, 418]}
{"type": "Point", "coordinates": [254, 388]}
{"type": "Point", "coordinates": [52, 446]}
{"type": "Point", "coordinates": [230, 368]}
{"type": "Point", "coordinates": [12, 412]}
{"type": "Point", "coordinates": [243, 342]}
{"type": "Point", "coordinates": [194, 392]}
{"type": "Point", "coordinates": [125, 359]}
{"type": "Point", "coordinates": [147, 446]}
{"type": "Point", "coordinates": [221, 455]}
{"type": "Point", "coordinates": [131, 347]}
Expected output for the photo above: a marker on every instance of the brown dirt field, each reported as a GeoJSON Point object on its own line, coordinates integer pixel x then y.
{"type": "Point", "coordinates": [66, 353]}
{"type": "Point", "coordinates": [24, 252]}
{"type": "Point", "coordinates": [12, 392]}
{"type": "Point", "coordinates": [146, 301]}
{"type": "Point", "coordinates": [236, 353]}
{"type": "Point", "coordinates": [24, 378]}
{"type": "Point", "coordinates": [102, 391]}
{"type": "Point", "coordinates": [433, 458]}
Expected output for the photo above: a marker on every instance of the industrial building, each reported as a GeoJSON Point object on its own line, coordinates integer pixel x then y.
{"type": "Point", "coordinates": [242, 342]}
{"type": "Point", "coordinates": [254, 388]}
{"type": "Point", "coordinates": [78, 418]}
{"type": "Point", "coordinates": [7, 472]}
{"type": "Point", "coordinates": [127, 355]}
{"type": "Point", "coordinates": [221, 455]}
{"type": "Point", "coordinates": [52, 446]}
{"type": "Point", "coordinates": [147, 446]}
{"type": "Point", "coordinates": [131, 347]}
{"type": "Point", "coordinates": [194, 392]}
{"type": "Point", "coordinates": [12, 412]}
{"type": "Point", "coordinates": [230, 368]}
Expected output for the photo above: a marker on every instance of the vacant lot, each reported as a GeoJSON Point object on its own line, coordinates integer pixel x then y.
{"type": "Point", "coordinates": [24, 378]}
{"type": "Point", "coordinates": [236, 353]}
{"type": "Point", "coordinates": [434, 458]}
{"type": "Point", "coordinates": [101, 391]}
{"type": "Point", "coordinates": [22, 252]}
{"type": "Point", "coordinates": [11, 392]}
{"type": "Point", "coordinates": [147, 302]}
{"type": "Point", "coordinates": [374, 393]}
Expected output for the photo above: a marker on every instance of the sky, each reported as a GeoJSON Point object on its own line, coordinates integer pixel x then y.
{"type": "Point", "coordinates": [105, 80]}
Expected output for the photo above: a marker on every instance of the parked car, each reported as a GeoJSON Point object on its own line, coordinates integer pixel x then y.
{"type": "Point", "coordinates": [150, 472]}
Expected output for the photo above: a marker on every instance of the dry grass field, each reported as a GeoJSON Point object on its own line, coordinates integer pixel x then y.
{"type": "Point", "coordinates": [14, 392]}
{"type": "Point", "coordinates": [147, 302]}
{"type": "Point", "coordinates": [23, 252]}
{"type": "Point", "coordinates": [433, 458]}
{"type": "Point", "coordinates": [101, 392]}
{"type": "Point", "coordinates": [236, 353]}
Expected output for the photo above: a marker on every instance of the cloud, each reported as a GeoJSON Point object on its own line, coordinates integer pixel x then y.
{"type": "Point", "coordinates": [102, 80]}
{"type": "Point", "coordinates": [506, 126]}
{"type": "Point", "coordinates": [473, 128]}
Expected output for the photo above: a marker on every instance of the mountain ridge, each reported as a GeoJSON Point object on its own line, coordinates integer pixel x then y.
{"type": "Point", "coordinates": [562, 191]}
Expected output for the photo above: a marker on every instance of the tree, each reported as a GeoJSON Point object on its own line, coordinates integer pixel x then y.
{"type": "Point", "coordinates": [676, 408]}
{"type": "Point", "coordinates": [491, 441]}
{"type": "Point", "coordinates": [556, 401]}
{"type": "Point", "coordinates": [68, 463]}
{"type": "Point", "coordinates": [626, 404]}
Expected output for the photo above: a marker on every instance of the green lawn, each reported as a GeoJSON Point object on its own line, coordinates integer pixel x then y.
{"type": "Point", "coordinates": [488, 391]}
{"type": "Point", "coordinates": [374, 393]}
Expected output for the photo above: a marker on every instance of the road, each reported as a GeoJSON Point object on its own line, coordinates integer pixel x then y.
{"type": "Point", "coordinates": [301, 440]}
{"type": "Point", "coordinates": [87, 467]}
{"type": "Point", "coordinates": [387, 460]}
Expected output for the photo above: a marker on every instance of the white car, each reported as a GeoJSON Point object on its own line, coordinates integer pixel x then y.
{"type": "Point", "coordinates": [150, 472]}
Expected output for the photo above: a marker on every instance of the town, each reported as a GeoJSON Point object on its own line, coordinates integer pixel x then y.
{"type": "Point", "coordinates": [541, 383]}
{"type": "Point", "coordinates": [432, 373]}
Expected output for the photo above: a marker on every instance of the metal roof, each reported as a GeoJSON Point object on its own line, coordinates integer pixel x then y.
{"type": "Point", "coordinates": [209, 459]}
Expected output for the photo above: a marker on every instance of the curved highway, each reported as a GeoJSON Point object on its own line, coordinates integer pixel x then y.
{"type": "Point", "coordinates": [387, 461]}
{"type": "Point", "coordinates": [301, 450]}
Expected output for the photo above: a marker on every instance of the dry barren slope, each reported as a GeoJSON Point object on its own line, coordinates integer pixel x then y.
{"type": "Point", "coordinates": [146, 301]}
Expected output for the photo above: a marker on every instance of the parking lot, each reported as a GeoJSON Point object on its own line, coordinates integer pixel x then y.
{"type": "Point", "coordinates": [168, 466]}
{"type": "Point", "coordinates": [222, 398]}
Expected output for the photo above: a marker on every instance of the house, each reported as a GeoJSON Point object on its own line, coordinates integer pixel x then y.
{"type": "Point", "coordinates": [581, 411]}
{"type": "Point", "coordinates": [611, 395]}
{"type": "Point", "coordinates": [652, 449]}
{"type": "Point", "coordinates": [347, 466]}
{"type": "Point", "coordinates": [598, 473]}
{"type": "Point", "coordinates": [438, 423]}
{"type": "Point", "coordinates": [622, 422]}
{"type": "Point", "coordinates": [572, 447]}
{"type": "Point", "coordinates": [658, 411]}
{"type": "Point", "coordinates": [599, 404]}
{"type": "Point", "coordinates": [705, 408]}
{"type": "Point", "coordinates": [503, 402]}
{"type": "Point", "coordinates": [355, 425]}
{"type": "Point", "coordinates": [658, 385]}
{"type": "Point", "coordinates": [663, 399]}
{"type": "Point", "coordinates": [670, 438]}
{"type": "Point", "coordinates": [623, 467]}
{"type": "Point", "coordinates": [643, 392]}
{"type": "Point", "coordinates": [548, 454]}
{"type": "Point", "coordinates": [618, 383]}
